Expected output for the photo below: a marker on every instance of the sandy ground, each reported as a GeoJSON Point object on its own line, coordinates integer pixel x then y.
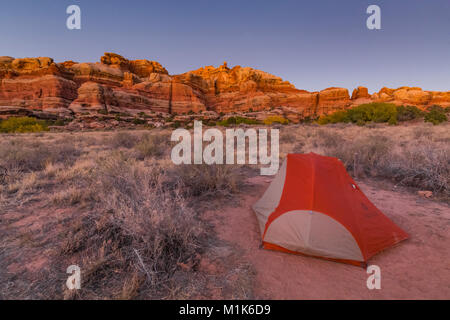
{"type": "Point", "coordinates": [418, 268]}
{"type": "Point", "coordinates": [237, 268]}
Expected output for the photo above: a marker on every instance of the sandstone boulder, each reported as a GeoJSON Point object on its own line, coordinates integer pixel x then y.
{"type": "Point", "coordinates": [440, 98]}
{"type": "Point", "coordinates": [332, 99]}
{"type": "Point", "coordinates": [91, 97]}
{"type": "Point", "coordinates": [114, 59]}
{"type": "Point", "coordinates": [6, 61]}
{"type": "Point", "coordinates": [145, 68]}
{"type": "Point", "coordinates": [413, 96]}
{"type": "Point", "coordinates": [31, 64]}
{"type": "Point", "coordinates": [360, 93]}
{"type": "Point", "coordinates": [141, 68]}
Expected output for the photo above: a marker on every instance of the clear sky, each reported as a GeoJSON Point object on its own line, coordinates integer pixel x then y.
{"type": "Point", "coordinates": [313, 44]}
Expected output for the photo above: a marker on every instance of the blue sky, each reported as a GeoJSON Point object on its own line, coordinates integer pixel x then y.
{"type": "Point", "coordinates": [313, 44]}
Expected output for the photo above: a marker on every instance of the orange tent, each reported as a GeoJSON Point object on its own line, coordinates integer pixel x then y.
{"type": "Point", "coordinates": [313, 207]}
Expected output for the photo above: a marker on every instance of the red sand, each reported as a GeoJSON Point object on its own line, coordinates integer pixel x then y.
{"type": "Point", "coordinates": [418, 268]}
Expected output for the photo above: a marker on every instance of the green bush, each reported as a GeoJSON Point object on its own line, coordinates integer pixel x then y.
{"type": "Point", "coordinates": [436, 115]}
{"type": "Point", "coordinates": [176, 124]}
{"type": "Point", "coordinates": [336, 117]}
{"type": "Point", "coordinates": [309, 119]}
{"type": "Point", "coordinates": [275, 119]}
{"type": "Point", "coordinates": [385, 112]}
{"type": "Point", "coordinates": [236, 121]}
{"type": "Point", "coordinates": [371, 112]}
{"type": "Point", "coordinates": [376, 112]}
{"type": "Point", "coordinates": [210, 123]}
{"type": "Point", "coordinates": [59, 123]}
{"type": "Point", "coordinates": [393, 120]}
{"type": "Point", "coordinates": [406, 113]}
{"type": "Point", "coordinates": [139, 121]}
{"type": "Point", "coordinates": [22, 125]}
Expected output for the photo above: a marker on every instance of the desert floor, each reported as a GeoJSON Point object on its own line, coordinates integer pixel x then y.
{"type": "Point", "coordinates": [417, 268]}
{"type": "Point", "coordinates": [140, 228]}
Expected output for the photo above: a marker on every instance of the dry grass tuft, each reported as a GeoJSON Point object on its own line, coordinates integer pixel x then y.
{"type": "Point", "coordinates": [27, 156]}
{"type": "Point", "coordinates": [141, 225]}
{"type": "Point", "coordinates": [417, 156]}
{"type": "Point", "coordinates": [152, 145]}
{"type": "Point", "coordinates": [123, 140]}
{"type": "Point", "coordinates": [207, 181]}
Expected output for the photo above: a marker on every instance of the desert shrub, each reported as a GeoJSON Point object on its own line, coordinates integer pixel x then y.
{"type": "Point", "coordinates": [287, 137]}
{"type": "Point", "coordinates": [420, 132]}
{"type": "Point", "coordinates": [275, 119]}
{"type": "Point", "coordinates": [365, 155]}
{"type": "Point", "coordinates": [384, 112]}
{"type": "Point", "coordinates": [207, 180]}
{"type": "Point", "coordinates": [376, 112]}
{"type": "Point", "coordinates": [152, 145]}
{"type": "Point", "coordinates": [138, 121]}
{"type": "Point", "coordinates": [33, 156]}
{"type": "Point", "coordinates": [371, 112]}
{"type": "Point", "coordinates": [310, 119]}
{"type": "Point", "coordinates": [406, 113]}
{"type": "Point", "coordinates": [336, 117]}
{"type": "Point", "coordinates": [17, 153]}
{"type": "Point", "coordinates": [3, 175]}
{"type": "Point", "coordinates": [176, 124]}
{"type": "Point", "coordinates": [393, 120]}
{"type": "Point", "coordinates": [210, 123]}
{"type": "Point", "coordinates": [143, 228]}
{"type": "Point", "coordinates": [435, 115]}
{"type": "Point", "coordinates": [139, 233]}
{"type": "Point", "coordinates": [123, 140]}
{"type": "Point", "coordinates": [236, 121]}
{"type": "Point", "coordinates": [22, 125]}
{"type": "Point", "coordinates": [417, 164]}
{"type": "Point", "coordinates": [329, 139]}
{"type": "Point", "coordinates": [421, 165]}
{"type": "Point", "coordinates": [57, 122]}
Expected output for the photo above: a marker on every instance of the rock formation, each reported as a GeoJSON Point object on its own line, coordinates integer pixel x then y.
{"type": "Point", "coordinates": [360, 93]}
{"type": "Point", "coordinates": [118, 85]}
{"type": "Point", "coordinates": [412, 96]}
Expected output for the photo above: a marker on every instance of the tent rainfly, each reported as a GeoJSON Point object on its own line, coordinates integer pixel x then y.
{"type": "Point", "coordinates": [314, 208]}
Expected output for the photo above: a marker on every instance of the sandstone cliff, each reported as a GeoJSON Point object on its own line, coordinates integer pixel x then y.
{"type": "Point", "coordinates": [116, 84]}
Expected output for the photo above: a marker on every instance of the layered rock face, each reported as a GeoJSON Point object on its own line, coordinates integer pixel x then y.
{"type": "Point", "coordinates": [412, 96]}
{"type": "Point", "coordinates": [245, 89]}
{"type": "Point", "coordinates": [117, 84]}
